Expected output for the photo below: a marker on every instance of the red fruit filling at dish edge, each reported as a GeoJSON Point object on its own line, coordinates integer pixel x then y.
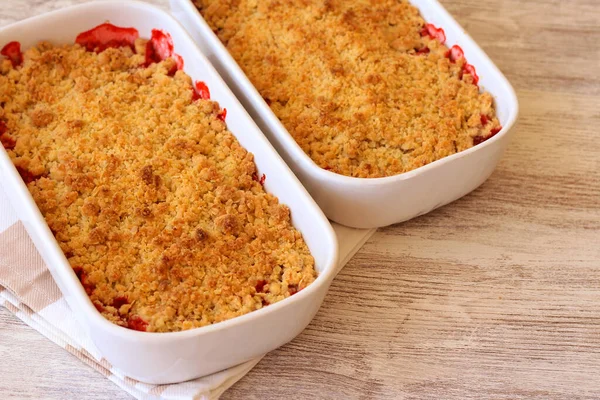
{"type": "Point", "coordinates": [104, 36]}
{"type": "Point", "coordinates": [27, 175]}
{"type": "Point", "coordinates": [12, 51]}
{"type": "Point", "coordinates": [480, 139]}
{"type": "Point", "coordinates": [8, 142]}
{"type": "Point", "coordinates": [456, 53]}
{"type": "Point", "coordinates": [160, 47]}
{"type": "Point", "coordinates": [136, 323]}
{"type": "Point", "coordinates": [260, 180]}
{"type": "Point", "coordinates": [434, 32]}
{"type": "Point", "coordinates": [107, 35]}
{"type": "Point", "coordinates": [87, 286]}
{"type": "Point", "coordinates": [201, 92]}
{"type": "Point", "coordinates": [222, 115]}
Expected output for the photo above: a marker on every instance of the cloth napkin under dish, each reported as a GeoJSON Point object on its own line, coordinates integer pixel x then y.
{"type": "Point", "coordinates": [28, 291]}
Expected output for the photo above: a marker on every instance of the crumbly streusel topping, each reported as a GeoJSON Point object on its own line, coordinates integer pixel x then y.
{"type": "Point", "coordinates": [154, 202]}
{"type": "Point", "coordinates": [354, 82]}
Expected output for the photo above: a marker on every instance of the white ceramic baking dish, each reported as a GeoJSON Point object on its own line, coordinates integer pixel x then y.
{"type": "Point", "coordinates": [178, 356]}
{"type": "Point", "coordinates": [369, 203]}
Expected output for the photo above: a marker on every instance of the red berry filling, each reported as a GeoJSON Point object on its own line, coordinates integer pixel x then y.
{"type": "Point", "coordinates": [293, 289]}
{"type": "Point", "coordinates": [79, 272]}
{"type": "Point", "coordinates": [480, 139]}
{"type": "Point", "coordinates": [6, 141]}
{"type": "Point", "coordinates": [222, 115]}
{"type": "Point", "coordinates": [107, 35]}
{"type": "Point", "coordinates": [260, 286]}
{"type": "Point", "coordinates": [201, 92]}
{"type": "Point", "coordinates": [261, 180]}
{"type": "Point", "coordinates": [159, 48]}
{"type": "Point", "coordinates": [119, 301]}
{"type": "Point", "coordinates": [469, 69]}
{"type": "Point", "coordinates": [136, 323]}
{"type": "Point", "coordinates": [12, 51]}
{"type": "Point", "coordinates": [424, 50]}
{"type": "Point", "coordinates": [89, 287]}
{"type": "Point", "coordinates": [27, 176]}
{"type": "Point", "coordinates": [455, 53]}
{"type": "Point", "coordinates": [434, 33]}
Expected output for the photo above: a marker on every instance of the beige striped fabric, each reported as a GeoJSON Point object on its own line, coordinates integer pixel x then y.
{"type": "Point", "coordinates": [28, 291]}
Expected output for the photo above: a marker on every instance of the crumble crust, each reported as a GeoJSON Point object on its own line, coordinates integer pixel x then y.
{"type": "Point", "coordinates": [355, 83]}
{"type": "Point", "coordinates": [153, 201]}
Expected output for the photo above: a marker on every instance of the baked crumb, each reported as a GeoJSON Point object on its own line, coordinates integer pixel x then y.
{"type": "Point", "coordinates": [358, 84]}
{"type": "Point", "coordinates": [149, 195]}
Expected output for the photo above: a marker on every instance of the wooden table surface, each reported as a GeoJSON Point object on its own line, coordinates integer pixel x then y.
{"type": "Point", "coordinates": [495, 296]}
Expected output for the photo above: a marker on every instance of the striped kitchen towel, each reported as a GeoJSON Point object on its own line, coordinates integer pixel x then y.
{"type": "Point", "coordinates": [28, 291]}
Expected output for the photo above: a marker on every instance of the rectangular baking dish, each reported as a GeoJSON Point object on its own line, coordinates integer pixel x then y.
{"type": "Point", "coordinates": [161, 358]}
{"type": "Point", "coordinates": [374, 202]}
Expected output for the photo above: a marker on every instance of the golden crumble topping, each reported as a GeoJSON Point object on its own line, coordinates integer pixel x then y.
{"type": "Point", "coordinates": [360, 85]}
{"type": "Point", "coordinates": [153, 201]}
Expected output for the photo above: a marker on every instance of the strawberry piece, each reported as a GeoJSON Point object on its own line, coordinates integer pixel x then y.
{"type": "Point", "coordinates": [455, 53]}
{"type": "Point", "coordinates": [136, 323]}
{"type": "Point", "coordinates": [12, 51]}
{"type": "Point", "coordinates": [159, 48]}
{"type": "Point", "coordinates": [107, 35]}
{"type": "Point", "coordinates": [434, 32]}
{"type": "Point", "coordinates": [201, 91]}
{"type": "Point", "coordinates": [222, 115]}
{"type": "Point", "coordinates": [178, 61]}
{"type": "Point", "coordinates": [484, 119]}
{"type": "Point", "coordinates": [469, 69]}
{"type": "Point", "coordinates": [440, 35]}
{"type": "Point", "coordinates": [424, 50]}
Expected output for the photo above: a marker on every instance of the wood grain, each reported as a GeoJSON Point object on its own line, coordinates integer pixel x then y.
{"type": "Point", "coordinates": [496, 296]}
